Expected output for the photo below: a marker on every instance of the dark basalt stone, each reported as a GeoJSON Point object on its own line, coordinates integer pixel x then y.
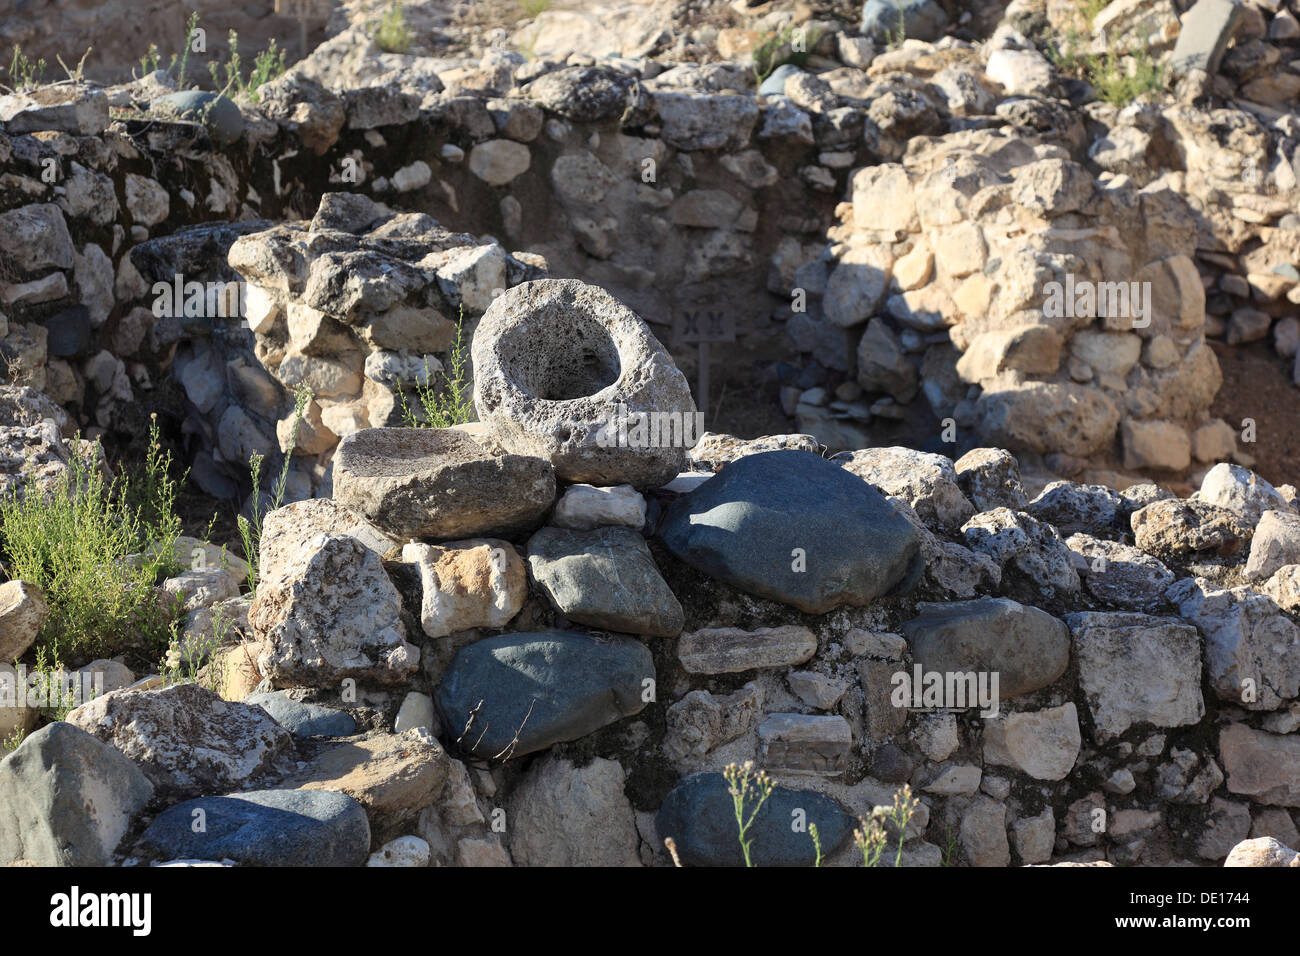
{"type": "Point", "coordinates": [795, 528]}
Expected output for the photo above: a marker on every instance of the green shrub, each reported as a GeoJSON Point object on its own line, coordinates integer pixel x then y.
{"type": "Point", "coordinates": [52, 682]}
{"type": "Point", "coordinates": [1118, 80]}
{"type": "Point", "coordinates": [949, 846]}
{"type": "Point", "coordinates": [184, 661]}
{"type": "Point", "coordinates": [98, 548]}
{"type": "Point", "coordinates": [451, 402]}
{"type": "Point", "coordinates": [776, 48]}
{"type": "Point", "coordinates": [894, 38]}
{"type": "Point", "coordinates": [228, 77]}
{"type": "Point", "coordinates": [1090, 8]}
{"type": "Point", "coordinates": [1119, 85]}
{"type": "Point", "coordinates": [392, 34]}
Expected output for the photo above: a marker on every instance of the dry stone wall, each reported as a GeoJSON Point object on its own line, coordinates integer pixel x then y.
{"type": "Point", "coordinates": [1086, 676]}
{"type": "Point", "coordinates": [971, 186]}
{"type": "Point", "coordinates": [511, 643]}
{"type": "Point", "coordinates": [687, 197]}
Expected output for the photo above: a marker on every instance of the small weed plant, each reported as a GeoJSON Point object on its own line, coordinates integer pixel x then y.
{"type": "Point", "coordinates": [872, 836]}
{"type": "Point", "coordinates": [185, 659]}
{"type": "Point", "coordinates": [894, 37]}
{"type": "Point", "coordinates": [788, 45]}
{"type": "Point", "coordinates": [24, 72]}
{"type": "Point", "coordinates": [228, 77]}
{"type": "Point", "coordinates": [1118, 80]}
{"type": "Point", "coordinates": [392, 34]}
{"type": "Point", "coordinates": [446, 403]}
{"type": "Point", "coordinates": [178, 66]}
{"type": "Point", "coordinates": [250, 528]}
{"type": "Point", "coordinates": [749, 789]}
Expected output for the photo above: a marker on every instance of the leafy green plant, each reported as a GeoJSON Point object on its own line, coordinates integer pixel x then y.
{"type": "Point", "coordinates": [1090, 8]}
{"type": "Point", "coordinates": [24, 73]}
{"type": "Point", "coordinates": [778, 47]}
{"type": "Point", "coordinates": [153, 495]}
{"type": "Point", "coordinates": [12, 742]}
{"type": "Point", "coordinates": [97, 547]}
{"type": "Point", "coordinates": [745, 784]}
{"type": "Point", "coordinates": [872, 837]}
{"type": "Point", "coordinates": [534, 9]}
{"type": "Point", "coordinates": [250, 528]}
{"type": "Point", "coordinates": [228, 76]}
{"type": "Point", "coordinates": [181, 62]}
{"type": "Point", "coordinates": [949, 846]}
{"type": "Point", "coordinates": [1118, 80]}
{"type": "Point", "coordinates": [894, 38]}
{"type": "Point", "coordinates": [61, 699]}
{"type": "Point", "coordinates": [817, 843]}
{"type": "Point", "coordinates": [1067, 56]}
{"type": "Point", "coordinates": [151, 61]}
{"type": "Point", "coordinates": [1119, 85]}
{"type": "Point", "coordinates": [392, 34]}
{"type": "Point", "coordinates": [185, 659]}
{"type": "Point", "coordinates": [178, 66]}
{"type": "Point", "coordinates": [451, 402]}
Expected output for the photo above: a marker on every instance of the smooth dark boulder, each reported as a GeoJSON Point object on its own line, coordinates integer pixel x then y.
{"type": "Point", "coordinates": [263, 828]}
{"type": "Point", "coordinates": [700, 816]}
{"type": "Point", "coordinates": [68, 332]}
{"type": "Point", "coordinates": [510, 695]}
{"type": "Point", "coordinates": [218, 114]}
{"type": "Point", "coordinates": [795, 528]}
{"type": "Point", "coordinates": [301, 718]}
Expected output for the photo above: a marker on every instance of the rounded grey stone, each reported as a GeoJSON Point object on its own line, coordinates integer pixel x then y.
{"type": "Point", "coordinates": [795, 528]}
{"type": "Point", "coordinates": [303, 719]}
{"type": "Point", "coordinates": [220, 115]}
{"type": "Point", "coordinates": [513, 694]}
{"type": "Point", "coordinates": [604, 578]}
{"type": "Point", "coordinates": [1026, 647]}
{"type": "Point", "coordinates": [700, 817]}
{"type": "Point", "coordinates": [66, 799]}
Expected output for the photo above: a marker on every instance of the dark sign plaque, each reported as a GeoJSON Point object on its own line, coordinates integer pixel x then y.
{"type": "Point", "coordinates": [703, 325]}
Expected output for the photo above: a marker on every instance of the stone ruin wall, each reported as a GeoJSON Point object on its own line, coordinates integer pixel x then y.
{"type": "Point", "coordinates": [350, 298]}
{"type": "Point", "coordinates": [925, 308]}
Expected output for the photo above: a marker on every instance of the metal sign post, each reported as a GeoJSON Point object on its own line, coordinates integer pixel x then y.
{"type": "Point", "coordinates": [702, 327]}
{"type": "Point", "coordinates": [304, 10]}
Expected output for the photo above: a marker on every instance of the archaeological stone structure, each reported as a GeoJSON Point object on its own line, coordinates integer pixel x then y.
{"type": "Point", "coordinates": [1003, 352]}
